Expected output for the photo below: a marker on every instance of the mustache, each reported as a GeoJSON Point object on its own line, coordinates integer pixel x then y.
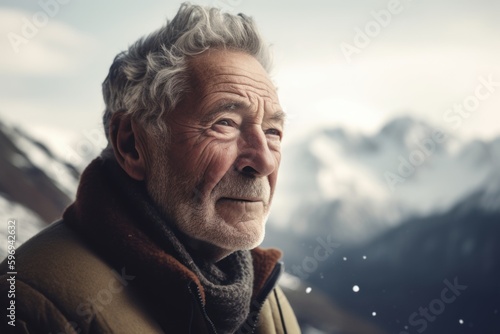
{"type": "Point", "coordinates": [239, 186]}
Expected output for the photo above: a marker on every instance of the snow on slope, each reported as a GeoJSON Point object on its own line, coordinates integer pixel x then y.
{"type": "Point", "coordinates": [344, 175]}
{"type": "Point", "coordinates": [61, 172]}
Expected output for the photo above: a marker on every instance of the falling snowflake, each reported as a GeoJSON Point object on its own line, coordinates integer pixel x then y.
{"type": "Point", "coordinates": [355, 288]}
{"type": "Point", "coordinates": [308, 289]}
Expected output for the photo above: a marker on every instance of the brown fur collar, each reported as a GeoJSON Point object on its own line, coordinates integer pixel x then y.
{"type": "Point", "coordinates": [114, 229]}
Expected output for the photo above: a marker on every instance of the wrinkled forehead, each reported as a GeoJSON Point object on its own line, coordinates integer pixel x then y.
{"type": "Point", "coordinates": [230, 71]}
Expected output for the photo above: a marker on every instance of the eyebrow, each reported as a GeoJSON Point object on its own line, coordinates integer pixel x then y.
{"type": "Point", "coordinates": [231, 105]}
{"type": "Point", "coordinates": [279, 116]}
{"type": "Point", "coordinates": [222, 107]}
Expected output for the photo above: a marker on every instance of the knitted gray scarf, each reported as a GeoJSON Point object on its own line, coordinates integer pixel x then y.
{"type": "Point", "coordinates": [227, 284]}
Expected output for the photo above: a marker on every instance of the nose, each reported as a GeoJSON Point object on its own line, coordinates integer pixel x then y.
{"type": "Point", "coordinates": [255, 159]}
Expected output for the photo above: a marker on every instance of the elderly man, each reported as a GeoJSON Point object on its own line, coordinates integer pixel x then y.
{"type": "Point", "coordinates": [162, 236]}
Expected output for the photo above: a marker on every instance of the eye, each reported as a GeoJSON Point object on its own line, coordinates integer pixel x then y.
{"type": "Point", "coordinates": [225, 125]}
{"type": "Point", "coordinates": [224, 122]}
{"type": "Point", "coordinates": [273, 132]}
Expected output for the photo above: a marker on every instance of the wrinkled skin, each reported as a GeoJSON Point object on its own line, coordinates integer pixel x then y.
{"type": "Point", "coordinates": [217, 175]}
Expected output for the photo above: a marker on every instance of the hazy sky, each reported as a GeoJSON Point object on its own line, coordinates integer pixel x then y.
{"type": "Point", "coordinates": [424, 59]}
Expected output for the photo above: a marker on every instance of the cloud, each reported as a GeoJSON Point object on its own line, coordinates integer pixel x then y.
{"type": "Point", "coordinates": [37, 47]}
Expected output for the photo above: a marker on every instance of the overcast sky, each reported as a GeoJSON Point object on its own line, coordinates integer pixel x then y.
{"type": "Point", "coordinates": [422, 60]}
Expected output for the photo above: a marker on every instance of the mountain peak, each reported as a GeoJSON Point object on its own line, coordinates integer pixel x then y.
{"type": "Point", "coordinates": [400, 127]}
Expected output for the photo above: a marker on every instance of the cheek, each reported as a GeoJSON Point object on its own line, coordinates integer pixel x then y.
{"type": "Point", "coordinates": [217, 164]}
{"type": "Point", "coordinates": [206, 164]}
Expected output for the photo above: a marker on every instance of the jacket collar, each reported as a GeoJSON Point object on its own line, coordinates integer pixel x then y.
{"type": "Point", "coordinates": [115, 229]}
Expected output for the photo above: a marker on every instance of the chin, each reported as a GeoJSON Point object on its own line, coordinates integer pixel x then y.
{"type": "Point", "coordinates": [228, 236]}
{"type": "Point", "coordinates": [245, 240]}
{"type": "Point", "coordinates": [239, 236]}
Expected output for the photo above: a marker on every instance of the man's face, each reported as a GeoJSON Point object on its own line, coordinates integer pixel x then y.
{"type": "Point", "coordinates": [217, 176]}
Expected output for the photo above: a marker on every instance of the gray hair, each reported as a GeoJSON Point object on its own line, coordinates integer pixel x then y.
{"type": "Point", "coordinates": [152, 76]}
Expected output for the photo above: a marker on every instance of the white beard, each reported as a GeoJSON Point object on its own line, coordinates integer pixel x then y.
{"type": "Point", "coordinates": [194, 214]}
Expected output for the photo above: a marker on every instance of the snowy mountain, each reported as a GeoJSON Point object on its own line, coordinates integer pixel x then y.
{"type": "Point", "coordinates": [357, 186]}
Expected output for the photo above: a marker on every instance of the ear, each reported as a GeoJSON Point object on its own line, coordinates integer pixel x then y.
{"type": "Point", "coordinates": [125, 138]}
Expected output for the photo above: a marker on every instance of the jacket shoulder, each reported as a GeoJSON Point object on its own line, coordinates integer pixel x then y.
{"type": "Point", "coordinates": [60, 277]}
